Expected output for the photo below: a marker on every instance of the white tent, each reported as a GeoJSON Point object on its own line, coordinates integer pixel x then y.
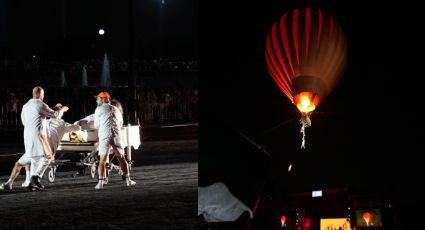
{"type": "Point", "coordinates": [84, 82]}
{"type": "Point", "coordinates": [217, 204]}
{"type": "Point", "coordinates": [63, 79]}
{"type": "Point", "coordinates": [105, 80]}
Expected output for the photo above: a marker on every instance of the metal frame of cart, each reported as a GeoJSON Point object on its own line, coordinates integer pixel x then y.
{"type": "Point", "coordinates": [88, 150]}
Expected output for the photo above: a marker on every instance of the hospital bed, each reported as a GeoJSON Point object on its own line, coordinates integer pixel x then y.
{"type": "Point", "coordinates": [85, 143]}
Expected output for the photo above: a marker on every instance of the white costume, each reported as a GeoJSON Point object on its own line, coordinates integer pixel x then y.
{"type": "Point", "coordinates": [33, 117]}
{"type": "Point", "coordinates": [57, 127]}
{"type": "Point", "coordinates": [108, 120]}
{"type": "Point", "coordinates": [25, 159]}
{"type": "Point", "coordinates": [89, 124]}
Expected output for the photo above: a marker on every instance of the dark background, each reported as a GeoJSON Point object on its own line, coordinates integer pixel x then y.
{"type": "Point", "coordinates": [69, 29]}
{"type": "Point", "coordinates": [366, 135]}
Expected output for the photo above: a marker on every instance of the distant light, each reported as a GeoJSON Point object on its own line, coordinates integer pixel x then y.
{"type": "Point", "coordinates": [348, 208]}
{"type": "Point", "coordinates": [389, 205]}
{"type": "Point", "coordinates": [33, 56]}
{"type": "Point", "coordinates": [317, 193]}
{"type": "Point", "coordinates": [101, 32]}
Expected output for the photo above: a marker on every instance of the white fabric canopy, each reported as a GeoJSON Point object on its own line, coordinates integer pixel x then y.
{"type": "Point", "coordinates": [217, 204]}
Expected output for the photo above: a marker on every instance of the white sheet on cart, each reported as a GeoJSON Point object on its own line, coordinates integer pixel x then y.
{"type": "Point", "coordinates": [133, 134]}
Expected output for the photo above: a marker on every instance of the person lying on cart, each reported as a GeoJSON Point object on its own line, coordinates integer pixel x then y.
{"type": "Point", "coordinates": [56, 128]}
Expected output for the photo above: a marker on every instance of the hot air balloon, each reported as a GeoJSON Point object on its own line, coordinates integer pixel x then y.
{"type": "Point", "coordinates": [282, 220]}
{"type": "Point", "coordinates": [306, 53]}
{"type": "Point", "coordinates": [366, 217]}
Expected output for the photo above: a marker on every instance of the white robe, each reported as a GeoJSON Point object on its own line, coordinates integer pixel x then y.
{"type": "Point", "coordinates": [33, 117]}
{"type": "Point", "coordinates": [57, 127]}
{"type": "Point", "coordinates": [108, 120]}
{"type": "Point", "coordinates": [89, 124]}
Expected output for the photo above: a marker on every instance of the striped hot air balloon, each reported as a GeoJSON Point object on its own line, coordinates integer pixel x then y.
{"type": "Point", "coordinates": [306, 53]}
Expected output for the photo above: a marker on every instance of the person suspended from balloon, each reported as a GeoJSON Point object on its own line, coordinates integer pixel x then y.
{"type": "Point", "coordinates": [306, 54]}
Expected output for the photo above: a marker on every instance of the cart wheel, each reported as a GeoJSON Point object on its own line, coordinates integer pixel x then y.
{"type": "Point", "coordinates": [106, 179]}
{"type": "Point", "coordinates": [82, 170]}
{"type": "Point", "coordinates": [93, 170]}
{"type": "Point", "coordinates": [108, 172]}
{"type": "Point", "coordinates": [51, 175]}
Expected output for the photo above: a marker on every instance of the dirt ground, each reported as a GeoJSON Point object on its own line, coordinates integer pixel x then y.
{"type": "Point", "coordinates": [165, 197]}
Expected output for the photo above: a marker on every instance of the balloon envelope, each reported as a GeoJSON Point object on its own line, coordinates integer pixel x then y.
{"type": "Point", "coordinates": [366, 216]}
{"type": "Point", "coordinates": [282, 220]}
{"type": "Point", "coordinates": [306, 53]}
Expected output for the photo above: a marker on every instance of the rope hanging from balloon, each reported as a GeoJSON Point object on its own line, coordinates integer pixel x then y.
{"type": "Point", "coordinates": [305, 123]}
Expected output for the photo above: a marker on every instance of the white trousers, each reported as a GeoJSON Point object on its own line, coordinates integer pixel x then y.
{"type": "Point", "coordinates": [25, 159]}
{"type": "Point", "coordinates": [39, 165]}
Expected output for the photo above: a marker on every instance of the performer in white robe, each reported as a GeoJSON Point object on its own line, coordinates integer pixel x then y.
{"type": "Point", "coordinates": [33, 117]}
{"type": "Point", "coordinates": [108, 120]}
{"type": "Point", "coordinates": [56, 128]}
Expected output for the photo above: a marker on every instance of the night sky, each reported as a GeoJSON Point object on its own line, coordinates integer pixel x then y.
{"type": "Point", "coordinates": [69, 29]}
{"type": "Point", "coordinates": [366, 134]}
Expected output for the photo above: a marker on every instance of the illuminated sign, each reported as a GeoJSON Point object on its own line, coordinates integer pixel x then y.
{"type": "Point", "coordinates": [317, 193]}
{"type": "Point", "coordinates": [369, 218]}
{"type": "Point", "coordinates": [335, 223]}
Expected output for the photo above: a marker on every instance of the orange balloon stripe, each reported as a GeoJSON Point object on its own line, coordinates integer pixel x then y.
{"type": "Point", "coordinates": [280, 81]}
{"type": "Point", "coordinates": [276, 76]}
{"type": "Point", "coordinates": [285, 42]}
{"type": "Point", "coordinates": [295, 32]}
{"type": "Point", "coordinates": [279, 53]}
{"type": "Point", "coordinates": [272, 62]}
{"type": "Point", "coordinates": [319, 32]}
{"type": "Point", "coordinates": [307, 30]}
{"type": "Point", "coordinates": [272, 58]}
{"type": "Point", "coordinates": [283, 85]}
